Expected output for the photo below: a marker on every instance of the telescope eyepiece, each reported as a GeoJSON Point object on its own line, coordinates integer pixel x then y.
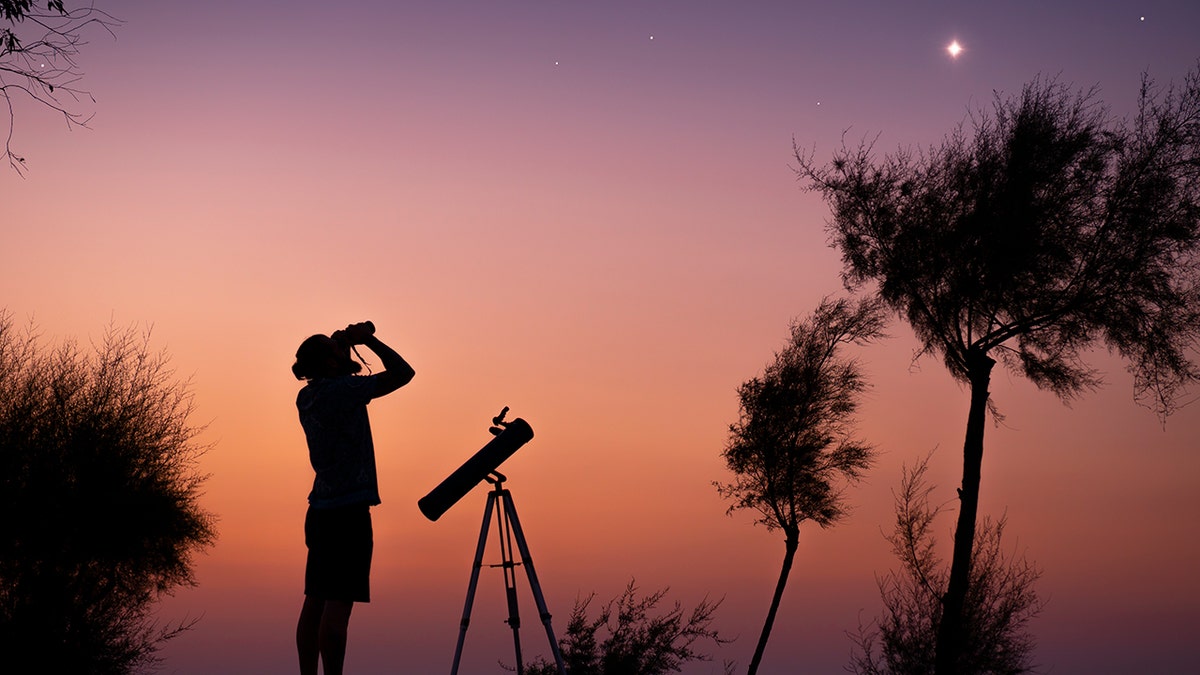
{"type": "Point", "coordinates": [498, 420]}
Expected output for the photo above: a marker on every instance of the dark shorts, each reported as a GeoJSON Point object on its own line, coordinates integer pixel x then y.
{"type": "Point", "coordinates": [339, 544]}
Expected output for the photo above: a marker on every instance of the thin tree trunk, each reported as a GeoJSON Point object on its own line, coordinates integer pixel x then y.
{"type": "Point", "coordinates": [790, 544]}
{"type": "Point", "coordinates": [951, 631]}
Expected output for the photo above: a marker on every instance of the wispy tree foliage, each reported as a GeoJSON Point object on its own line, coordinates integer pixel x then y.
{"type": "Point", "coordinates": [99, 487]}
{"type": "Point", "coordinates": [626, 637]}
{"type": "Point", "coordinates": [1001, 600]}
{"type": "Point", "coordinates": [793, 450]}
{"type": "Point", "coordinates": [39, 43]}
{"type": "Point", "coordinates": [1032, 235]}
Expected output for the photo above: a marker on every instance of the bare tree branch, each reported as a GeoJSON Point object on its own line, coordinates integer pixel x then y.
{"type": "Point", "coordinates": [38, 52]}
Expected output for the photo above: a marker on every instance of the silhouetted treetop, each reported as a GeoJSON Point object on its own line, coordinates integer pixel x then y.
{"type": "Point", "coordinates": [1036, 232]}
{"type": "Point", "coordinates": [793, 440]}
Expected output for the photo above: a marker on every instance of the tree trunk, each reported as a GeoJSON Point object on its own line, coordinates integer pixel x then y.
{"type": "Point", "coordinates": [790, 544]}
{"type": "Point", "coordinates": [951, 631]}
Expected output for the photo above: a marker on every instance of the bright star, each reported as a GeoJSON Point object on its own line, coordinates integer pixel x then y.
{"type": "Point", "coordinates": [955, 49]}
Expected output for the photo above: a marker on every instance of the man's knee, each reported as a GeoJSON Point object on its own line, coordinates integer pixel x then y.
{"type": "Point", "coordinates": [336, 617]}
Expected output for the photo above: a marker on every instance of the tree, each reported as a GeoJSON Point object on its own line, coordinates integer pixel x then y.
{"type": "Point", "coordinates": [1047, 229]}
{"type": "Point", "coordinates": [793, 440]}
{"type": "Point", "coordinates": [99, 484]}
{"type": "Point", "coordinates": [636, 642]}
{"type": "Point", "coordinates": [999, 605]}
{"type": "Point", "coordinates": [37, 59]}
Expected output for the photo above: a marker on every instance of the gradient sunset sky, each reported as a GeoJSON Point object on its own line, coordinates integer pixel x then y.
{"type": "Point", "coordinates": [584, 211]}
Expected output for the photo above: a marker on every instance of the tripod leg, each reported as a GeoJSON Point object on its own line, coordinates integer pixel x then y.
{"type": "Point", "coordinates": [504, 530]}
{"type": "Point", "coordinates": [527, 561]}
{"type": "Point", "coordinates": [466, 617]}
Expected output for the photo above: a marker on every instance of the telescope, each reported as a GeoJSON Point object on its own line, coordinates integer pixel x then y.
{"type": "Point", "coordinates": [509, 437]}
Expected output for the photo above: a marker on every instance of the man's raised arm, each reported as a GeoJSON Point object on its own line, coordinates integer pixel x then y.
{"type": "Point", "coordinates": [396, 371]}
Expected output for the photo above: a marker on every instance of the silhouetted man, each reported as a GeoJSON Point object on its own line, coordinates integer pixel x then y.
{"type": "Point", "coordinates": [337, 528]}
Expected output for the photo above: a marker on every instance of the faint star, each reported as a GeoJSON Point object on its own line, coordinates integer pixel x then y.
{"type": "Point", "coordinates": [954, 49]}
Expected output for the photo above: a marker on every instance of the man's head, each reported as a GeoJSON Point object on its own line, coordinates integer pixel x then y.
{"type": "Point", "coordinates": [322, 356]}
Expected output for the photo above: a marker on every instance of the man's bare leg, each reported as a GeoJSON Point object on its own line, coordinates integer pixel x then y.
{"type": "Point", "coordinates": [334, 623]}
{"type": "Point", "coordinates": [321, 635]}
{"type": "Point", "coordinates": [308, 630]}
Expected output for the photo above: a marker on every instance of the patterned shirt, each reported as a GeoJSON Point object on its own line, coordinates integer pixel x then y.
{"type": "Point", "coordinates": [333, 412]}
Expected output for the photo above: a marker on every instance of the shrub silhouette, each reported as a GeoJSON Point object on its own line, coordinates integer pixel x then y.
{"type": "Point", "coordinates": [99, 485]}
{"type": "Point", "coordinates": [627, 638]}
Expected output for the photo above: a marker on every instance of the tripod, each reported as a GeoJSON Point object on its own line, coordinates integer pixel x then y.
{"type": "Point", "coordinates": [507, 527]}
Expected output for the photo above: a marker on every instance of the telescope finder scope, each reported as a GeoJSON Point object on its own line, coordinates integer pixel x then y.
{"type": "Point", "coordinates": [439, 500]}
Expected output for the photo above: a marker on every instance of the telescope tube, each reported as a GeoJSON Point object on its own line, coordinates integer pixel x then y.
{"type": "Point", "coordinates": [458, 484]}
